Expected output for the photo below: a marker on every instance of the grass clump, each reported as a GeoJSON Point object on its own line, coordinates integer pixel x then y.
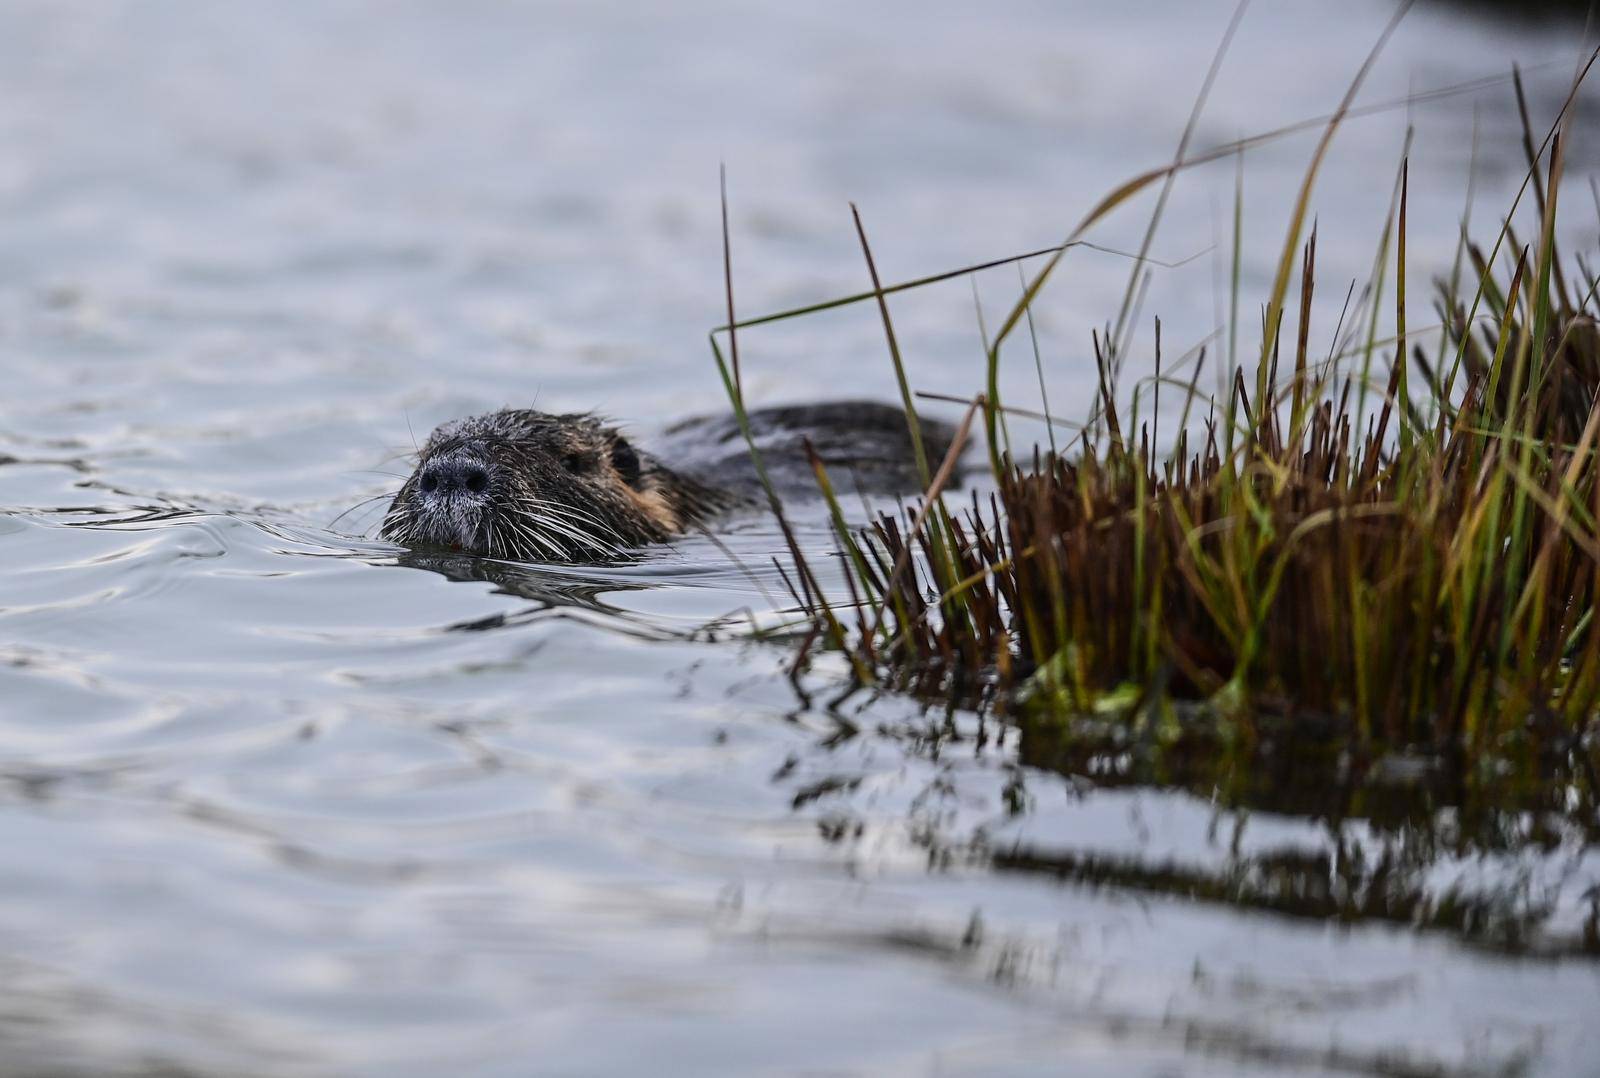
{"type": "Point", "coordinates": [1430, 578]}
{"type": "Point", "coordinates": [1402, 560]}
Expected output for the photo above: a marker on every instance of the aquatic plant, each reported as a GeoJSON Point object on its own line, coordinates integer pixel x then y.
{"type": "Point", "coordinates": [1396, 559]}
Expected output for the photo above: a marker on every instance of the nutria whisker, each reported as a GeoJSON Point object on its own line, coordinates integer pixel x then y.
{"type": "Point", "coordinates": [578, 518]}
{"type": "Point", "coordinates": [525, 527]}
{"type": "Point", "coordinates": [359, 505]}
{"type": "Point", "coordinates": [573, 513]}
{"type": "Point", "coordinates": [559, 531]}
{"type": "Point", "coordinates": [564, 526]}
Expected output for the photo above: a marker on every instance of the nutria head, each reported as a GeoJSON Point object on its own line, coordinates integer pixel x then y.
{"type": "Point", "coordinates": [530, 486]}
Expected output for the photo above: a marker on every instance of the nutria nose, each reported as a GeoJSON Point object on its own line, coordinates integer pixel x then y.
{"type": "Point", "coordinates": [451, 475]}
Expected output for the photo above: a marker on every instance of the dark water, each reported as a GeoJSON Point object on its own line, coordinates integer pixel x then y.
{"type": "Point", "coordinates": [277, 800]}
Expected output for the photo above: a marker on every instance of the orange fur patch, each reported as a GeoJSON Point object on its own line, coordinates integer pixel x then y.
{"type": "Point", "coordinates": [655, 506]}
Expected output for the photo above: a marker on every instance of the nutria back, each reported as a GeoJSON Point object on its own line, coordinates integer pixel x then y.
{"type": "Point", "coordinates": [865, 445]}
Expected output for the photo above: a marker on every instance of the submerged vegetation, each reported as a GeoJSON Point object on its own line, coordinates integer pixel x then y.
{"type": "Point", "coordinates": [1390, 545]}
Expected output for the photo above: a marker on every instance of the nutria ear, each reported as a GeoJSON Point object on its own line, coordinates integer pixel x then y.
{"type": "Point", "coordinates": [625, 460]}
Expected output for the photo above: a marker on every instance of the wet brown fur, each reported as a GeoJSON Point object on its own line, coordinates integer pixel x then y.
{"type": "Point", "coordinates": [573, 488]}
{"type": "Point", "coordinates": [559, 487]}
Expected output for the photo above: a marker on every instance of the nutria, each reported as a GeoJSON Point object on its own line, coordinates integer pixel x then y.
{"type": "Point", "coordinates": [525, 485]}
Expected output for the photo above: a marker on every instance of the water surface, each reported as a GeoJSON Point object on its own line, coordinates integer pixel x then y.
{"type": "Point", "coordinates": [279, 800]}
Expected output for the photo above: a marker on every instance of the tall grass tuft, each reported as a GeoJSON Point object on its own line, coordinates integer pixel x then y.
{"type": "Point", "coordinates": [1401, 562]}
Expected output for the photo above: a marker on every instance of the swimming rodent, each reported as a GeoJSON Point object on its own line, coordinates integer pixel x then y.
{"type": "Point", "coordinates": [524, 485]}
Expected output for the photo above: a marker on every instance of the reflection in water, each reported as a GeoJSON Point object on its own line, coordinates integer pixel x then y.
{"type": "Point", "coordinates": [555, 590]}
{"type": "Point", "coordinates": [1504, 855]}
{"type": "Point", "coordinates": [50, 1026]}
{"type": "Point", "coordinates": [564, 586]}
{"type": "Point", "coordinates": [1354, 878]}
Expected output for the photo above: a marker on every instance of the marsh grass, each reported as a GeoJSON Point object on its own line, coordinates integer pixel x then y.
{"type": "Point", "coordinates": [1401, 559]}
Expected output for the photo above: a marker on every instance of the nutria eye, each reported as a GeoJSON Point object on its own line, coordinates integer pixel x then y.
{"type": "Point", "coordinates": [575, 462]}
{"type": "Point", "coordinates": [625, 461]}
{"type": "Point", "coordinates": [477, 481]}
{"type": "Point", "coordinates": [428, 483]}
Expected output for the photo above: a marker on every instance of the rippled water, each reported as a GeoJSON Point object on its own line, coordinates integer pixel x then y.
{"type": "Point", "coordinates": [276, 799]}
